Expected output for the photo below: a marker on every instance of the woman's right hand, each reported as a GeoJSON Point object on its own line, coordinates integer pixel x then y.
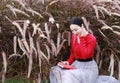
{"type": "Point", "coordinates": [63, 62]}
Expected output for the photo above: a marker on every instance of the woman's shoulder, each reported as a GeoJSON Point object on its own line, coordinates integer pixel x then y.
{"type": "Point", "coordinates": [73, 35]}
{"type": "Point", "coordinates": [89, 37]}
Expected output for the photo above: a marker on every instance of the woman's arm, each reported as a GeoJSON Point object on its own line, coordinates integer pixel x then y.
{"type": "Point", "coordinates": [72, 57]}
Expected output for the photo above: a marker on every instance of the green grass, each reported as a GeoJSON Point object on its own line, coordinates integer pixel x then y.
{"type": "Point", "coordinates": [45, 81]}
{"type": "Point", "coordinates": [21, 80]}
{"type": "Point", "coordinates": [17, 80]}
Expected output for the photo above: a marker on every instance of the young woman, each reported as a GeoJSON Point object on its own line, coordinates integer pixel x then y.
{"type": "Point", "coordinates": [81, 57]}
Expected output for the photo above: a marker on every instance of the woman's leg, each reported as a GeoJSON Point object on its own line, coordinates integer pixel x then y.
{"type": "Point", "coordinates": [55, 74]}
{"type": "Point", "coordinates": [87, 73]}
{"type": "Point", "coordinates": [106, 79]}
{"type": "Point", "coordinates": [79, 76]}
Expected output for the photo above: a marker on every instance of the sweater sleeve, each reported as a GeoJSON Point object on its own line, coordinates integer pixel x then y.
{"type": "Point", "coordinates": [86, 49]}
{"type": "Point", "coordinates": [71, 58]}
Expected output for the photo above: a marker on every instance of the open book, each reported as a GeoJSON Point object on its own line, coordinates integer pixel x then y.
{"type": "Point", "coordinates": [65, 66]}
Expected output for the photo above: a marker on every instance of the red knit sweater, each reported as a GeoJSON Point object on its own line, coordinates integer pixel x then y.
{"type": "Point", "coordinates": [82, 50]}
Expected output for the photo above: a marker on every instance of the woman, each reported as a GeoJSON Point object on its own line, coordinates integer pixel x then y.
{"type": "Point", "coordinates": [81, 57]}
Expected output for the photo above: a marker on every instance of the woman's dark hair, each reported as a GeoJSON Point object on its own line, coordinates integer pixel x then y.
{"type": "Point", "coordinates": [77, 21]}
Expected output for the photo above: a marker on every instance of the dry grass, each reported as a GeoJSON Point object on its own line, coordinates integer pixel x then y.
{"type": "Point", "coordinates": [40, 32]}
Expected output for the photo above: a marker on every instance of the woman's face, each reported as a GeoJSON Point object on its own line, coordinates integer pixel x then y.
{"type": "Point", "coordinates": [76, 29]}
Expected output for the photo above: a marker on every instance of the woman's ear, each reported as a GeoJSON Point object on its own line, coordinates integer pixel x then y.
{"type": "Point", "coordinates": [82, 26]}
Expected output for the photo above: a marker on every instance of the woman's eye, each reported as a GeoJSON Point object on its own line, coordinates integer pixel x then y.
{"type": "Point", "coordinates": [75, 30]}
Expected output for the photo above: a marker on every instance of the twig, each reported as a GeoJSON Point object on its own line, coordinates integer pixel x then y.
{"type": "Point", "coordinates": [4, 66]}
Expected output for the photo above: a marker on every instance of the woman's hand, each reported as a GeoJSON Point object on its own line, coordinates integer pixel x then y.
{"type": "Point", "coordinates": [63, 62]}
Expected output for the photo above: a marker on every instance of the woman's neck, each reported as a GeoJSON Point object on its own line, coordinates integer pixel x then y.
{"type": "Point", "coordinates": [83, 34]}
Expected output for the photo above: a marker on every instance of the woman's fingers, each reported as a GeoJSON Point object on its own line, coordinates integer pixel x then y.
{"type": "Point", "coordinates": [63, 62]}
{"type": "Point", "coordinates": [66, 62]}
